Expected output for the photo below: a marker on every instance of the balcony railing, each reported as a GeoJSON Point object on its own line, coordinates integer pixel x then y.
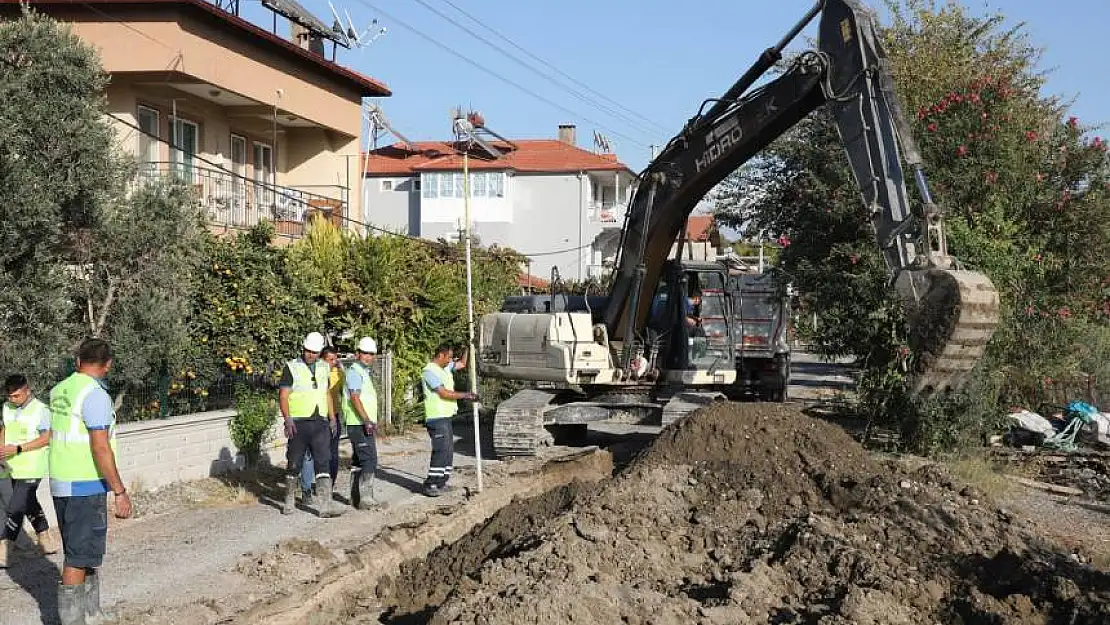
{"type": "Point", "coordinates": [606, 212]}
{"type": "Point", "coordinates": [235, 201]}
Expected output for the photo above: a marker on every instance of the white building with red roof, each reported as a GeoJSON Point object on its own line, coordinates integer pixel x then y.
{"type": "Point", "coordinates": [548, 198]}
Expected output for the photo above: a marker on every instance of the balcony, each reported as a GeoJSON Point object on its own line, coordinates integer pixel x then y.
{"type": "Point", "coordinates": [606, 212]}
{"type": "Point", "coordinates": [234, 202]}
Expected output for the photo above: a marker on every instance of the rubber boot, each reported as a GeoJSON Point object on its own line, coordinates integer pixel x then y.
{"type": "Point", "coordinates": [48, 542]}
{"type": "Point", "coordinates": [326, 506]}
{"type": "Point", "coordinates": [71, 604]}
{"type": "Point", "coordinates": [308, 497]}
{"type": "Point", "coordinates": [94, 615]}
{"type": "Point", "coordinates": [367, 500]}
{"type": "Point", "coordinates": [5, 545]}
{"type": "Point", "coordinates": [290, 495]}
{"type": "Point", "coordinates": [356, 494]}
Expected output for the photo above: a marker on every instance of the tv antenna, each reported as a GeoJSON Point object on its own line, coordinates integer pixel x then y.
{"type": "Point", "coordinates": [350, 35]}
{"type": "Point", "coordinates": [602, 144]}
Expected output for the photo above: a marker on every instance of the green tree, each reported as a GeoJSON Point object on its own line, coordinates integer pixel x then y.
{"type": "Point", "coordinates": [136, 288]}
{"type": "Point", "coordinates": [1026, 197]}
{"type": "Point", "coordinates": [58, 168]}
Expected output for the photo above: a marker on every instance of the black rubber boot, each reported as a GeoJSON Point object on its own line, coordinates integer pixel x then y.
{"type": "Point", "coordinates": [356, 494]}
{"type": "Point", "coordinates": [71, 604]}
{"type": "Point", "coordinates": [290, 495]}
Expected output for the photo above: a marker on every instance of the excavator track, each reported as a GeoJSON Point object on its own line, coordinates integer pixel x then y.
{"type": "Point", "coordinates": [518, 423]}
{"type": "Point", "coordinates": [953, 319]}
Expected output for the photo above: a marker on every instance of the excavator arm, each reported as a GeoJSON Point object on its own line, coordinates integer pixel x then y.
{"type": "Point", "coordinates": [952, 313]}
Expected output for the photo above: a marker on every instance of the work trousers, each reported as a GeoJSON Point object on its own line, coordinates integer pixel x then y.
{"type": "Point", "coordinates": [364, 449]}
{"type": "Point", "coordinates": [443, 450]}
{"type": "Point", "coordinates": [24, 504]}
{"type": "Point", "coordinates": [307, 475]}
{"type": "Point", "coordinates": [312, 435]}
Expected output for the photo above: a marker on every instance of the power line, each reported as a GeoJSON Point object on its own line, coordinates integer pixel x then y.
{"type": "Point", "coordinates": [552, 67]}
{"type": "Point", "coordinates": [546, 76]}
{"type": "Point", "coordinates": [507, 81]}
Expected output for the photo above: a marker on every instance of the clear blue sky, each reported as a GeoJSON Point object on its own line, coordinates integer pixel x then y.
{"type": "Point", "coordinates": [658, 58]}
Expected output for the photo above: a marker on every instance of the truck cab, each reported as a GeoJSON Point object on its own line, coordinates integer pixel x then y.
{"type": "Point", "coordinates": [760, 321]}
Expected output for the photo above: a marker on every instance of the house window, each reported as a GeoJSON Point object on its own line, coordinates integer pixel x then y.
{"type": "Point", "coordinates": [387, 185]}
{"type": "Point", "coordinates": [183, 140]}
{"type": "Point", "coordinates": [263, 174]}
{"type": "Point", "coordinates": [495, 184]}
{"type": "Point", "coordinates": [446, 185]}
{"type": "Point", "coordinates": [148, 140]}
{"type": "Point", "coordinates": [478, 184]}
{"type": "Point", "coordinates": [429, 187]}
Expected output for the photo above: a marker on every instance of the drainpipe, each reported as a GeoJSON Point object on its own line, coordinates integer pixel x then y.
{"type": "Point", "coordinates": [582, 181]}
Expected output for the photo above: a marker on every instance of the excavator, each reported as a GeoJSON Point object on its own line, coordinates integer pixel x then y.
{"type": "Point", "coordinates": [640, 353]}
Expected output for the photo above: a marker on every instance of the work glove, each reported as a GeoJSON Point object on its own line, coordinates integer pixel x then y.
{"type": "Point", "coordinates": [290, 428]}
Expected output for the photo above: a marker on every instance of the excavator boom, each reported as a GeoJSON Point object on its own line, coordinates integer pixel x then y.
{"type": "Point", "coordinates": [952, 313]}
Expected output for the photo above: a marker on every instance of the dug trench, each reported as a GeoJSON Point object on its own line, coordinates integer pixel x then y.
{"type": "Point", "coordinates": [740, 513]}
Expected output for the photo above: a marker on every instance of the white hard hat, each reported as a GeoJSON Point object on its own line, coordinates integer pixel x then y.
{"type": "Point", "coordinates": [367, 345]}
{"type": "Point", "coordinates": [314, 342]}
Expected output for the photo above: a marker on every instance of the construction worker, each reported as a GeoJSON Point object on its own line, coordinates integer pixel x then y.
{"type": "Point", "coordinates": [360, 414]}
{"type": "Point", "coordinates": [83, 469]}
{"type": "Point", "coordinates": [25, 432]}
{"type": "Point", "coordinates": [309, 417]}
{"type": "Point", "coordinates": [440, 406]}
{"type": "Point", "coordinates": [335, 388]}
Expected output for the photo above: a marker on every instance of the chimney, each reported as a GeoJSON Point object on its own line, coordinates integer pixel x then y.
{"type": "Point", "coordinates": [306, 39]}
{"type": "Point", "coordinates": [567, 134]}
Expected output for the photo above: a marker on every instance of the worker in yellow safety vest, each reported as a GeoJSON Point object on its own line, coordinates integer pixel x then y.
{"type": "Point", "coordinates": [440, 406]}
{"type": "Point", "coordinates": [24, 435]}
{"type": "Point", "coordinates": [308, 411]}
{"type": "Point", "coordinates": [83, 469]}
{"type": "Point", "coordinates": [360, 415]}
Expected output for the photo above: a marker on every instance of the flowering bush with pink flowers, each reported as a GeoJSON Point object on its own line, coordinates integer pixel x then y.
{"type": "Point", "coordinates": [1026, 189]}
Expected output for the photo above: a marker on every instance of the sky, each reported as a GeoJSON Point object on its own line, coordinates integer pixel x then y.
{"type": "Point", "coordinates": [633, 70]}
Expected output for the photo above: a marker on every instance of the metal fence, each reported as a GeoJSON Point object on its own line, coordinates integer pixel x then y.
{"type": "Point", "coordinates": [236, 201]}
{"type": "Point", "coordinates": [167, 397]}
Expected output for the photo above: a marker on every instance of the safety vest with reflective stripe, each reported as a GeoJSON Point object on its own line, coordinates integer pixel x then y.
{"type": "Point", "coordinates": [368, 395]}
{"type": "Point", "coordinates": [71, 458]}
{"type": "Point", "coordinates": [304, 400]}
{"type": "Point", "coordinates": [21, 426]}
{"type": "Point", "coordinates": [435, 407]}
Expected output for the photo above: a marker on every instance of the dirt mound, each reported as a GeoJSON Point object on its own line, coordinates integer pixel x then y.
{"type": "Point", "coordinates": [757, 513]}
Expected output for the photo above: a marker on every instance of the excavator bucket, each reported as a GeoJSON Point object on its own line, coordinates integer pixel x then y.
{"type": "Point", "coordinates": [952, 316]}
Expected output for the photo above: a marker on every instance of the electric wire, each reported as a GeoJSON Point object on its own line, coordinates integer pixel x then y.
{"type": "Point", "coordinates": [552, 67]}
{"type": "Point", "coordinates": [508, 81]}
{"type": "Point", "coordinates": [546, 76]}
{"type": "Point", "coordinates": [277, 191]}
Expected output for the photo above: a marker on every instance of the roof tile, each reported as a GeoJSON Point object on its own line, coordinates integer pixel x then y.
{"type": "Point", "coordinates": [528, 155]}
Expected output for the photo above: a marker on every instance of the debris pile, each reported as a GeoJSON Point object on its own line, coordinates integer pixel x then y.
{"type": "Point", "coordinates": [756, 513]}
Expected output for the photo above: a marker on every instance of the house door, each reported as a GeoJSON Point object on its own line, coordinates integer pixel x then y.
{"type": "Point", "coordinates": [264, 175]}
{"type": "Point", "coordinates": [238, 177]}
{"type": "Point", "coordinates": [148, 142]}
{"type": "Point", "coordinates": [183, 154]}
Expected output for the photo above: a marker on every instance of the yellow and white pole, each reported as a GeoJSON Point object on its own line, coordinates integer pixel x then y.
{"type": "Point", "coordinates": [472, 352]}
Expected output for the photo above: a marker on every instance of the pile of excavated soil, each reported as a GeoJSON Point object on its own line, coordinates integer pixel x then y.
{"type": "Point", "coordinates": [755, 513]}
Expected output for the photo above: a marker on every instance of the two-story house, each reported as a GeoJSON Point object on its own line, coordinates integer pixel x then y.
{"type": "Point", "coordinates": [561, 205]}
{"type": "Point", "coordinates": [262, 124]}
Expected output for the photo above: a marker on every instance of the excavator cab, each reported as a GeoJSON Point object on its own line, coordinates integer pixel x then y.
{"type": "Point", "coordinates": [689, 328]}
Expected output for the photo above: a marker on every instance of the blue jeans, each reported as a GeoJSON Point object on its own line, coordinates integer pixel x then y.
{"type": "Point", "coordinates": [308, 477]}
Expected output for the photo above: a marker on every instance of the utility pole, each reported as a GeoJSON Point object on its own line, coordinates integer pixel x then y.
{"type": "Point", "coordinates": [472, 352]}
